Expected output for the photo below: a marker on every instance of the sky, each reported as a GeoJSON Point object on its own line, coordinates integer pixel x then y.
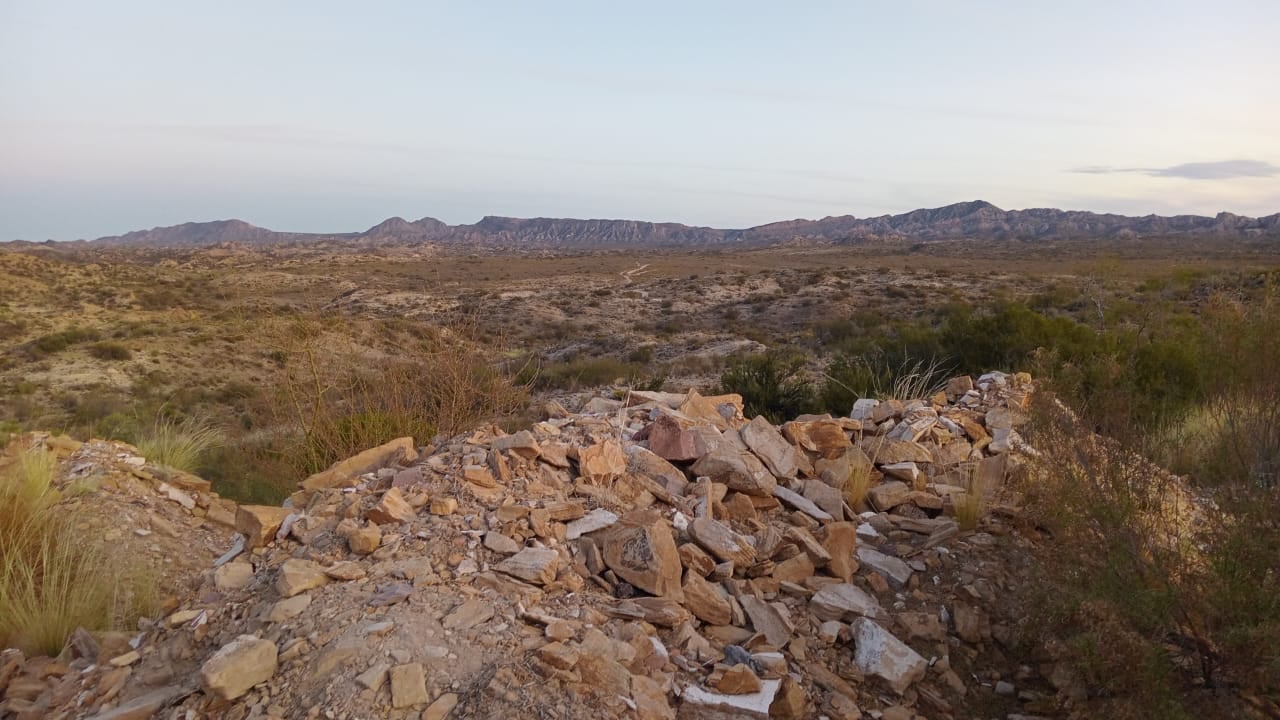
{"type": "Point", "coordinates": [332, 116]}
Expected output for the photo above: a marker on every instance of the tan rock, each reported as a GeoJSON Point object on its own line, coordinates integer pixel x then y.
{"type": "Point", "coordinates": [345, 571]}
{"type": "Point", "coordinates": [641, 549]}
{"type": "Point", "coordinates": [651, 699]}
{"type": "Point", "coordinates": [738, 680]}
{"type": "Point", "coordinates": [298, 576]}
{"type": "Point", "coordinates": [888, 495]}
{"type": "Point", "coordinates": [558, 655]}
{"type": "Point", "coordinates": [721, 411]}
{"type": "Point", "coordinates": [706, 601]}
{"type": "Point", "coordinates": [740, 470]}
{"type": "Point", "coordinates": [480, 476]}
{"type": "Point", "coordinates": [344, 472]}
{"type": "Point", "coordinates": [444, 506]}
{"type": "Point", "coordinates": [500, 543]}
{"type": "Point", "coordinates": [888, 452]}
{"type": "Point", "coordinates": [533, 564]}
{"type": "Point", "coordinates": [770, 446]}
{"type": "Point", "coordinates": [794, 569]}
{"type": "Point", "coordinates": [363, 541]}
{"type": "Point", "coordinates": [522, 443]}
{"type": "Point", "coordinates": [259, 523]}
{"type": "Point", "coordinates": [769, 619]}
{"type": "Point", "coordinates": [391, 508]}
{"type": "Point", "coordinates": [440, 709]}
{"type": "Point", "coordinates": [289, 608]}
{"type": "Point", "coordinates": [696, 560]}
{"type": "Point", "coordinates": [841, 542]}
{"type": "Point", "coordinates": [238, 666]}
{"type": "Point", "coordinates": [827, 438]}
{"type": "Point", "coordinates": [722, 542]}
{"type": "Point", "coordinates": [408, 685]}
{"type": "Point", "coordinates": [790, 702]}
{"type": "Point", "coordinates": [602, 462]}
{"type": "Point", "coordinates": [232, 576]}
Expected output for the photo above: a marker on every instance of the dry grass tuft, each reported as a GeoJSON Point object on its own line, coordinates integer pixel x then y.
{"type": "Point", "coordinates": [971, 505]}
{"type": "Point", "coordinates": [51, 581]}
{"type": "Point", "coordinates": [179, 444]}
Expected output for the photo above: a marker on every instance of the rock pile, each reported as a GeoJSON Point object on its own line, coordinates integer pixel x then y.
{"type": "Point", "coordinates": [654, 557]}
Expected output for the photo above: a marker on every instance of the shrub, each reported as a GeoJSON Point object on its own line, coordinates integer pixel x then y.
{"type": "Point", "coordinates": [771, 384]}
{"type": "Point", "coordinates": [59, 341]}
{"type": "Point", "coordinates": [110, 350]}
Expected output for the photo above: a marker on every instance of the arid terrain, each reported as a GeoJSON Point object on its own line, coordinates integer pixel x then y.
{"type": "Point", "coordinates": [902, 557]}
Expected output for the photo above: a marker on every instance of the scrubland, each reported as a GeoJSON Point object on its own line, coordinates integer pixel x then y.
{"type": "Point", "coordinates": [1154, 490]}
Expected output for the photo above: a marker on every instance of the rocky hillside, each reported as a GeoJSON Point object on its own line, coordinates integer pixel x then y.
{"type": "Point", "coordinates": [659, 557]}
{"type": "Point", "coordinates": [974, 220]}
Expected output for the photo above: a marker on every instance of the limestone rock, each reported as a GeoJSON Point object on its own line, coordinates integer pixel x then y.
{"type": "Point", "coordinates": [238, 666]}
{"type": "Point", "coordinates": [642, 550]}
{"type": "Point", "coordinates": [441, 707]}
{"type": "Point", "coordinates": [344, 472]}
{"type": "Point", "coordinates": [522, 443]}
{"type": "Point", "coordinates": [699, 704]}
{"type": "Point", "coordinates": [841, 542]}
{"type": "Point", "coordinates": [363, 541]}
{"type": "Point", "coordinates": [408, 685]}
{"type": "Point", "coordinates": [298, 576]}
{"type": "Point", "coordinates": [232, 576]}
{"type": "Point", "coordinates": [602, 462]}
{"type": "Point", "coordinates": [392, 508]}
{"type": "Point", "coordinates": [259, 523]}
{"type": "Point", "coordinates": [288, 608]}
{"type": "Point", "coordinates": [888, 495]}
{"type": "Point", "coordinates": [533, 565]}
{"type": "Point", "coordinates": [769, 619]}
{"type": "Point", "coordinates": [768, 444]}
{"type": "Point", "coordinates": [897, 572]}
{"type": "Point", "coordinates": [877, 652]}
{"type": "Point", "coordinates": [738, 680]}
{"type": "Point", "coordinates": [723, 543]}
{"type": "Point", "coordinates": [500, 543]}
{"type": "Point", "coordinates": [706, 601]}
{"type": "Point", "coordinates": [669, 441]}
{"type": "Point", "coordinates": [827, 438]}
{"type": "Point", "coordinates": [838, 602]}
{"type": "Point", "coordinates": [593, 521]}
{"type": "Point", "coordinates": [740, 470]}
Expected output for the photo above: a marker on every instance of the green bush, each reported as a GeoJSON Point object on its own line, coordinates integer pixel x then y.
{"type": "Point", "coordinates": [110, 350]}
{"type": "Point", "coordinates": [771, 384]}
{"type": "Point", "coordinates": [59, 341]}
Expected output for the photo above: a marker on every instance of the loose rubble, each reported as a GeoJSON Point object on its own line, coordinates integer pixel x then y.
{"type": "Point", "coordinates": [654, 557]}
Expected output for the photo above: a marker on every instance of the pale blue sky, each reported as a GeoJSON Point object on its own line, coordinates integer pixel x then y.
{"type": "Point", "coordinates": [331, 116]}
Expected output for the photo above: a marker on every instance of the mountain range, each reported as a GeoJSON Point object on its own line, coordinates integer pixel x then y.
{"type": "Point", "coordinates": [969, 220]}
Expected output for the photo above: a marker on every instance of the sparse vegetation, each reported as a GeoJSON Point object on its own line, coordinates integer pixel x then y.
{"type": "Point", "coordinates": [51, 581]}
{"type": "Point", "coordinates": [179, 444]}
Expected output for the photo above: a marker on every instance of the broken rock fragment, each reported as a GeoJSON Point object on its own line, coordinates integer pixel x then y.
{"type": "Point", "coordinates": [642, 551]}
{"type": "Point", "coordinates": [877, 652]}
{"type": "Point", "coordinates": [238, 666]}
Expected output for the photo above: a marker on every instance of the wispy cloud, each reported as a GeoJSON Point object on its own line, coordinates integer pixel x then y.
{"type": "Point", "coordinates": [1220, 170]}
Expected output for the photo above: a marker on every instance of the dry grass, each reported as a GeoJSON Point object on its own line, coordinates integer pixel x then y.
{"type": "Point", "coordinates": [179, 444]}
{"type": "Point", "coordinates": [971, 505]}
{"type": "Point", "coordinates": [855, 489]}
{"type": "Point", "coordinates": [51, 580]}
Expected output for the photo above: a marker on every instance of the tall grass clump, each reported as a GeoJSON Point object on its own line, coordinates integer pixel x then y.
{"type": "Point", "coordinates": [179, 444]}
{"type": "Point", "coordinates": [51, 580]}
{"type": "Point", "coordinates": [969, 505]}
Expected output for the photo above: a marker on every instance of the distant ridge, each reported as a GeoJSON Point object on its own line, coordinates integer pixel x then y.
{"type": "Point", "coordinates": [972, 220]}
